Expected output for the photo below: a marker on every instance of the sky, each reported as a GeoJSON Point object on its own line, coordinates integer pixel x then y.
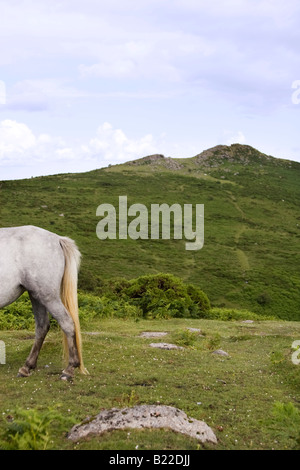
{"type": "Point", "coordinates": [85, 84]}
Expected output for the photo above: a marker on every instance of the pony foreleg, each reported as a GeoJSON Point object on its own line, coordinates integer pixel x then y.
{"type": "Point", "coordinates": [42, 326]}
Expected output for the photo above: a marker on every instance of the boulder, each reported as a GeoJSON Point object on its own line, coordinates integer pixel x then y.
{"type": "Point", "coordinates": [141, 417]}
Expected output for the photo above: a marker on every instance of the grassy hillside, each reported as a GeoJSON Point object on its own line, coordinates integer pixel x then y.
{"type": "Point", "coordinates": [250, 257]}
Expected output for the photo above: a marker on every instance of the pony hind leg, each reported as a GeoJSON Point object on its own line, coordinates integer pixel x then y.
{"type": "Point", "coordinates": [61, 315]}
{"type": "Point", "coordinates": [42, 325]}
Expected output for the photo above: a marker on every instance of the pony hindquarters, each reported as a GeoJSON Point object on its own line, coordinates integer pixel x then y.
{"type": "Point", "coordinates": [48, 271]}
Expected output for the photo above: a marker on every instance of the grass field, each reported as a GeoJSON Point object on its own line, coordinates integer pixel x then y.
{"type": "Point", "coordinates": [250, 399]}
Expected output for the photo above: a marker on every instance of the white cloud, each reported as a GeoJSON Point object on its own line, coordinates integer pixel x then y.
{"type": "Point", "coordinates": [20, 146]}
{"type": "Point", "coordinates": [15, 139]}
{"type": "Point", "coordinates": [113, 146]}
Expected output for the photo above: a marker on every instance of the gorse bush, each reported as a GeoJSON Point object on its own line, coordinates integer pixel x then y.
{"type": "Point", "coordinates": [163, 296]}
{"type": "Point", "coordinates": [153, 296]}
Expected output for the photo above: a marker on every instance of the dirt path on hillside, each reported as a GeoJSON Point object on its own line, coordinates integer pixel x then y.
{"type": "Point", "coordinates": [241, 255]}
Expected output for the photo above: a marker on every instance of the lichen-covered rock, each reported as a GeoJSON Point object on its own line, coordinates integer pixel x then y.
{"type": "Point", "coordinates": [220, 352]}
{"type": "Point", "coordinates": [153, 334]}
{"type": "Point", "coordinates": [144, 416]}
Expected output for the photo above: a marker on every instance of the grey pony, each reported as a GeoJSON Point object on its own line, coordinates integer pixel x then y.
{"type": "Point", "coordinates": [46, 265]}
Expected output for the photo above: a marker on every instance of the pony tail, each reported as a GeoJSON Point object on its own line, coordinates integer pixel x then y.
{"type": "Point", "coordinates": [69, 293]}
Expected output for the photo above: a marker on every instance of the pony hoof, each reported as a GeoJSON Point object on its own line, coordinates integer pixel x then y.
{"type": "Point", "coordinates": [66, 377]}
{"type": "Point", "coordinates": [23, 373]}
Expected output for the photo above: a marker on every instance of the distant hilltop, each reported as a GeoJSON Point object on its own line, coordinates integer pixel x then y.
{"type": "Point", "coordinates": [158, 159]}
{"type": "Point", "coordinates": [212, 157]}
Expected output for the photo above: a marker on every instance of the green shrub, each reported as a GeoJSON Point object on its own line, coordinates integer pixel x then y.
{"type": "Point", "coordinates": [18, 315]}
{"type": "Point", "coordinates": [287, 416]}
{"type": "Point", "coordinates": [185, 338]}
{"type": "Point", "coordinates": [164, 296]}
{"type": "Point", "coordinates": [91, 307]}
{"type": "Point", "coordinates": [198, 298]}
{"type": "Point", "coordinates": [286, 412]}
{"type": "Point", "coordinates": [213, 341]}
{"type": "Point", "coordinates": [227, 314]}
{"type": "Point", "coordinates": [264, 298]}
{"type": "Point", "coordinates": [29, 429]}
